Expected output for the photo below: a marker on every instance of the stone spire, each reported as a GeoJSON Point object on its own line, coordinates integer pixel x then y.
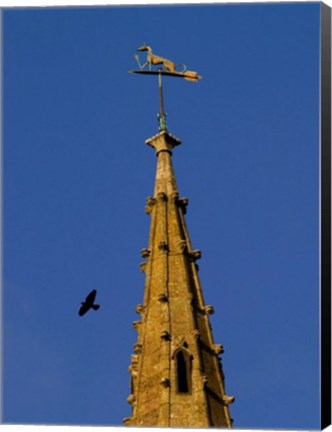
{"type": "Point", "coordinates": [176, 372]}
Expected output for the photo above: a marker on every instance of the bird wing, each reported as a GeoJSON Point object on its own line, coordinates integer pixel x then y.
{"type": "Point", "coordinates": [91, 297]}
{"type": "Point", "coordinates": [83, 309]}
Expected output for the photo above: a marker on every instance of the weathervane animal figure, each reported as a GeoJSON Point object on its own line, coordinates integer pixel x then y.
{"type": "Point", "coordinates": [153, 59]}
{"type": "Point", "coordinates": [167, 65]}
{"type": "Point", "coordinates": [89, 303]}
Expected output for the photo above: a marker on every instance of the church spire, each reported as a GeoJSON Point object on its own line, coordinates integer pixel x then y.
{"type": "Point", "coordinates": [176, 372]}
{"type": "Point", "coordinates": [164, 143]}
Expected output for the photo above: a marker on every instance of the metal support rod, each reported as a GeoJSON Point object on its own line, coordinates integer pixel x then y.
{"type": "Point", "coordinates": [161, 95]}
{"type": "Point", "coordinates": [161, 115]}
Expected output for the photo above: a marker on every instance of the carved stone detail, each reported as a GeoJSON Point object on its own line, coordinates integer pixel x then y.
{"type": "Point", "coordinates": [227, 400]}
{"type": "Point", "coordinates": [161, 196]}
{"type": "Point", "coordinates": [142, 266]}
{"type": "Point", "coordinates": [197, 334]}
{"type": "Point", "coordinates": [133, 371]}
{"type": "Point", "coordinates": [140, 309]}
{"type": "Point", "coordinates": [204, 381]}
{"type": "Point", "coordinates": [195, 255]}
{"type": "Point", "coordinates": [150, 202]}
{"type": "Point", "coordinates": [133, 366]}
{"type": "Point", "coordinates": [127, 420]}
{"type": "Point", "coordinates": [145, 252]}
{"type": "Point", "coordinates": [163, 246]}
{"type": "Point", "coordinates": [183, 203]}
{"type": "Point", "coordinates": [138, 348]}
{"type": "Point", "coordinates": [182, 245]}
{"type": "Point", "coordinates": [137, 324]}
{"type": "Point", "coordinates": [165, 382]}
{"type": "Point", "coordinates": [163, 298]}
{"type": "Point", "coordinates": [175, 197]}
{"type": "Point", "coordinates": [217, 349]}
{"type": "Point", "coordinates": [131, 399]}
{"type": "Point", "coordinates": [209, 309]}
{"type": "Point", "coordinates": [179, 342]}
{"type": "Point", "coordinates": [165, 335]}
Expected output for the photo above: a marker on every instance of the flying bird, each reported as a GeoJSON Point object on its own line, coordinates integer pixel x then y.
{"type": "Point", "coordinates": [89, 303]}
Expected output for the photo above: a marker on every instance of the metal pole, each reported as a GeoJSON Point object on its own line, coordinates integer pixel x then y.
{"type": "Point", "coordinates": [161, 96]}
{"type": "Point", "coordinates": [161, 115]}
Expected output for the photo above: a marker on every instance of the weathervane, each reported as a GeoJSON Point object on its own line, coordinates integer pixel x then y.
{"type": "Point", "coordinates": [167, 68]}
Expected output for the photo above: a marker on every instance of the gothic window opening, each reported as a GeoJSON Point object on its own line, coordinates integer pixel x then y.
{"type": "Point", "coordinates": [183, 372]}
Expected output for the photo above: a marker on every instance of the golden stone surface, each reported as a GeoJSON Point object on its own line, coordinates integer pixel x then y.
{"type": "Point", "coordinates": [176, 376]}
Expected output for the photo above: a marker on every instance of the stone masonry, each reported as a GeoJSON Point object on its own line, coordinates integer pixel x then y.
{"type": "Point", "coordinates": [176, 372]}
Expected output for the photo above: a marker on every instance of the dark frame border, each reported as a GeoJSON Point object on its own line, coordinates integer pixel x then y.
{"type": "Point", "coordinates": [325, 377]}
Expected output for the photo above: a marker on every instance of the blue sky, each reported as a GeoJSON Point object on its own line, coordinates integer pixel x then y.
{"type": "Point", "coordinates": [77, 172]}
